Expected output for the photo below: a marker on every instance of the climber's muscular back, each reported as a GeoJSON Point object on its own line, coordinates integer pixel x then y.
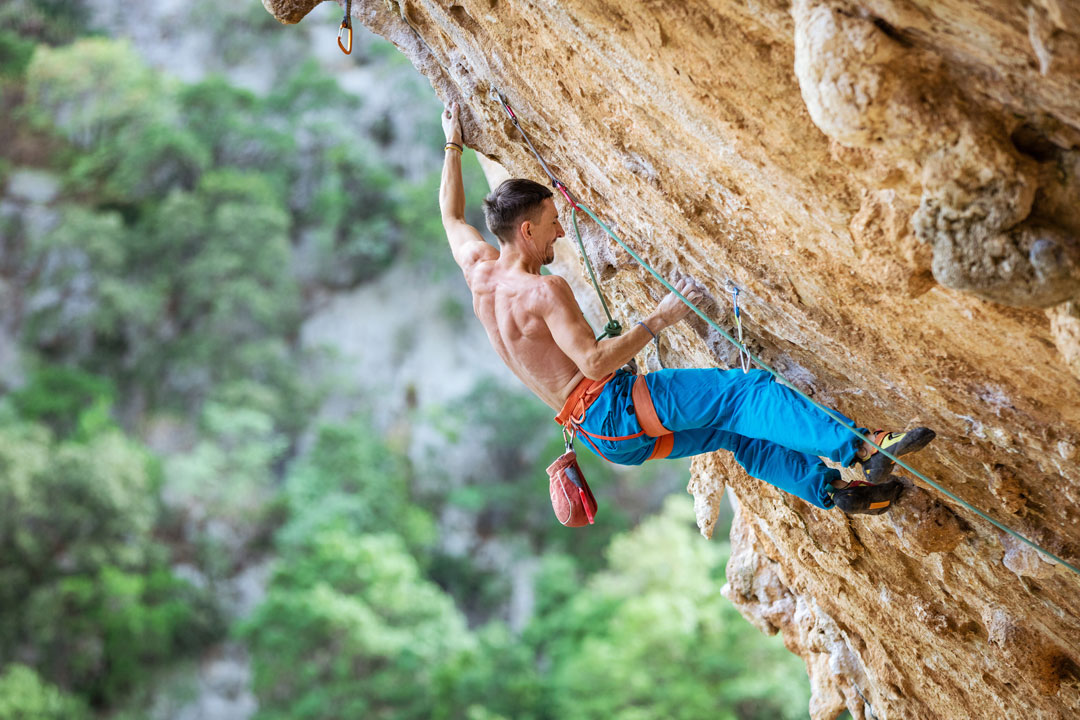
{"type": "Point", "coordinates": [515, 308]}
{"type": "Point", "coordinates": [533, 320]}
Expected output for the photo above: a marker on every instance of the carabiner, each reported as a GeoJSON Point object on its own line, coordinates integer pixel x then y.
{"type": "Point", "coordinates": [499, 98]}
{"type": "Point", "coordinates": [558, 185]}
{"type": "Point", "coordinates": [346, 24]}
{"type": "Point", "coordinates": [744, 354]}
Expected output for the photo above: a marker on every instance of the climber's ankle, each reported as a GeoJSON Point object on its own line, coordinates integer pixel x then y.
{"type": "Point", "coordinates": [864, 451]}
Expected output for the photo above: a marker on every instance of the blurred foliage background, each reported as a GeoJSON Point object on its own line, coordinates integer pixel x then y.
{"type": "Point", "coordinates": [186, 530]}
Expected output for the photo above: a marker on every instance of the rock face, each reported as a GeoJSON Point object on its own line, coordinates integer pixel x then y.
{"type": "Point", "coordinates": [895, 187]}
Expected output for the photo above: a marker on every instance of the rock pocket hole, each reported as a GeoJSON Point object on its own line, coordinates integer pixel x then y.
{"type": "Point", "coordinates": [463, 18]}
{"type": "Point", "coordinates": [890, 30]}
{"type": "Point", "coordinates": [1028, 140]}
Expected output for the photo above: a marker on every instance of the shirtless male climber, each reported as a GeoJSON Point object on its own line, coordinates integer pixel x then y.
{"type": "Point", "coordinates": [538, 329]}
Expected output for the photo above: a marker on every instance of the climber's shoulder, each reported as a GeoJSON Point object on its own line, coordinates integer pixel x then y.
{"type": "Point", "coordinates": [467, 245]}
{"type": "Point", "coordinates": [553, 288]}
{"type": "Point", "coordinates": [553, 295]}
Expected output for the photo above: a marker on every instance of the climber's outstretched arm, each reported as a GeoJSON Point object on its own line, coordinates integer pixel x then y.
{"type": "Point", "coordinates": [597, 358]}
{"type": "Point", "coordinates": [465, 242]}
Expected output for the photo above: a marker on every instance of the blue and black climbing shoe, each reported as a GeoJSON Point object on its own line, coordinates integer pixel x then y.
{"type": "Point", "coordinates": [877, 465]}
{"type": "Point", "coordinates": [860, 498]}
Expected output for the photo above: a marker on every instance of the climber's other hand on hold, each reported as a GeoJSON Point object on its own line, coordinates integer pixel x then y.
{"type": "Point", "coordinates": [451, 124]}
{"type": "Point", "coordinates": [672, 309]}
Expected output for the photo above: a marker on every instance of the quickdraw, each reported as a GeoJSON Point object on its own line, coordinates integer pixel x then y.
{"type": "Point", "coordinates": [346, 24]}
{"type": "Point", "coordinates": [744, 354]}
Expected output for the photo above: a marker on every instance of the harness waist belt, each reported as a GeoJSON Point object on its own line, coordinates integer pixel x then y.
{"type": "Point", "coordinates": [586, 392]}
{"type": "Point", "coordinates": [581, 397]}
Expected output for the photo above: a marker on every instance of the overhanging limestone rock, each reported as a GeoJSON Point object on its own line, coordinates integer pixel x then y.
{"type": "Point", "coordinates": [827, 157]}
{"type": "Point", "coordinates": [868, 87]}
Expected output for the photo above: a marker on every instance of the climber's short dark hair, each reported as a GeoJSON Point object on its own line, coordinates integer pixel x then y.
{"type": "Point", "coordinates": [512, 202]}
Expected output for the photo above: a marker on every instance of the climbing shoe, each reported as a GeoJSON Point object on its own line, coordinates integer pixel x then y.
{"type": "Point", "coordinates": [877, 465]}
{"type": "Point", "coordinates": [864, 499]}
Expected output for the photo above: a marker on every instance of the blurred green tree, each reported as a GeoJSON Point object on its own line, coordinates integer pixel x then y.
{"type": "Point", "coordinates": [53, 22]}
{"type": "Point", "coordinates": [100, 633]}
{"type": "Point", "coordinates": [350, 628]}
{"type": "Point", "coordinates": [222, 493]}
{"type": "Point", "coordinates": [651, 636]}
{"type": "Point", "coordinates": [71, 506]}
{"type": "Point", "coordinates": [499, 677]}
{"type": "Point", "coordinates": [91, 90]}
{"type": "Point", "coordinates": [232, 124]}
{"type": "Point", "coordinates": [82, 580]}
{"type": "Point", "coordinates": [184, 206]}
{"type": "Point", "coordinates": [71, 402]}
{"type": "Point", "coordinates": [15, 54]}
{"type": "Point", "coordinates": [192, 298]}
{"type": "Point", "coordinates": [353, 482]}
{"type": "Point", "coordinates": [24, 696]}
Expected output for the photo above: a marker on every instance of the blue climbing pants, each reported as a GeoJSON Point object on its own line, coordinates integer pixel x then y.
{"type": "Point", "coordinates": [775, 434]}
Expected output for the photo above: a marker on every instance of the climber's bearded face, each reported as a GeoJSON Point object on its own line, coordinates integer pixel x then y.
{"type": "Point", "coordinates": [546, 231]}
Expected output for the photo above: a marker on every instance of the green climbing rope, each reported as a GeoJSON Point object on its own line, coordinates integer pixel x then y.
{"type": "Point", "coordinates": [764, 366]}
{"type": "Point", "coordinates": [613, 328]}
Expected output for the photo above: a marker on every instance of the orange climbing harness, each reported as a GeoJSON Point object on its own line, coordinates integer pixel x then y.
{"type": "Point", "coordinates": [571, 497]}
{"type": "Point", "coordinates": [581, 397]}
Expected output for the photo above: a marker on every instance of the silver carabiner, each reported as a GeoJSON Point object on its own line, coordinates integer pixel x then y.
{"type": "Point", "coordinates": [744, 354]}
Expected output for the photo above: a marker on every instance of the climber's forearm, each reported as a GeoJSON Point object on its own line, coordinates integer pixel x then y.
{"type": "Point", "coordinates": [570, 331]}
{"type": "Point", "coordinates": [609, 355]}
{"type": "Point", "coordinates": [452, 189]}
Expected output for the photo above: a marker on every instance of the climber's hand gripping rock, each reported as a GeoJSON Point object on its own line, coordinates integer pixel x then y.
{"type": "Point", "coordinates": [451, 124]}
{"type": "Point", "coordinates": [672, 309]}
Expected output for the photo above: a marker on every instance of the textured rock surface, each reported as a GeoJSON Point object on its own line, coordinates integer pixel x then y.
{"type": "Point", "coordinates": [893, 186]}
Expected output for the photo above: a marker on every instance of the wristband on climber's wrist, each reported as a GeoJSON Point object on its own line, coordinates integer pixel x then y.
{"type": "Point", "coordinates": [656, 341]}
{"type": "Point", "coordinates": [642, 324]}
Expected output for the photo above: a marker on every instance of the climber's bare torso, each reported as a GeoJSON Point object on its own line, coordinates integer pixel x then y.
{"type": "Point", "coordinates": [523, 311]}
{"type": "Point", "coordinates": [533, 320]}
{"type": "Point", "coordinates": [512, 306]}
